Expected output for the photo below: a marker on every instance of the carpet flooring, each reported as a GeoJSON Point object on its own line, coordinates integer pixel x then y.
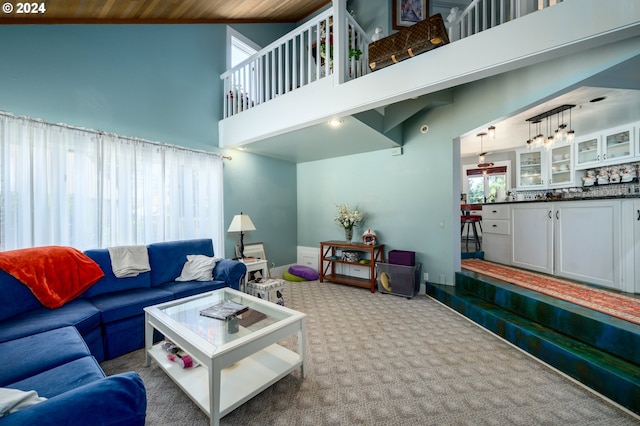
{"type": "Point", "coordinates": [626, 307]}
{"type": "Point", "coordinates": [380, 359]}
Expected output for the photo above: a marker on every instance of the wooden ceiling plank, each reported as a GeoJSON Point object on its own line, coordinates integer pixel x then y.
{"type": "Point", "coordinates": [132, 9]}
{"type": "Point", "coordinates": [148, 10]}
{"type": "Point", "coordinates": [173, 11]}
{"type": "Point", "coordinates": [183, 10]}
{"type": "Point", "coordinates": [106, 8]}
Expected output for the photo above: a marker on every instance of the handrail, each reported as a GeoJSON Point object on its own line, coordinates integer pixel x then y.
{"type": "Point", "coordinates": [301, 57]}
{"type": "Point", "coordinates": [482, 15]}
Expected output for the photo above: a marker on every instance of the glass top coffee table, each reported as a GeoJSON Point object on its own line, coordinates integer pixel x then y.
{"type": "Point", "coordinates": [237, 361]}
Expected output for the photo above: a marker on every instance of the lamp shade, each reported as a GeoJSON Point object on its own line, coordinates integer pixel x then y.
{"type": "Point", "coordinates": [240, 223]}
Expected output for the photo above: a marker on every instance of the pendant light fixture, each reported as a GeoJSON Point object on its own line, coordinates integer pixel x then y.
{"type": "Point", "coordinates": [558, 136]}
{"type": "Point", "coordinates": [571, 135]}
{"type": "Point", "coordinates": [482, 164]}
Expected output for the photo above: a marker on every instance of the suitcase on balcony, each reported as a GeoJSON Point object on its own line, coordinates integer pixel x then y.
{"type": "Point", "coordinates": [408, 42]}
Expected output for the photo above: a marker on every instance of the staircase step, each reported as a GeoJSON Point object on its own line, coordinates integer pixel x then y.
{"type": "Point", "coordinates": [607, 374]}
{"type": "Point", "coordinates": [610, 334]}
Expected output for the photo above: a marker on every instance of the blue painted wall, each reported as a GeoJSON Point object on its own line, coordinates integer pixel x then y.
{"type": "Point", "coordinates": [157, 82]}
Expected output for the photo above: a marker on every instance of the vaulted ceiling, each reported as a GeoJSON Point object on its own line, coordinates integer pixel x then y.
{"type": "Point", "coordinates": [161, 11]}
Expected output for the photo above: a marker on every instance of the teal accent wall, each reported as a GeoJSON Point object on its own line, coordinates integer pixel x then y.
{"type": "Point", "coordinates": [370, 14]}
{"type": "Point", "coordinates": [265, 189]}
{"type": "Point", "coordinates": [156, 82]}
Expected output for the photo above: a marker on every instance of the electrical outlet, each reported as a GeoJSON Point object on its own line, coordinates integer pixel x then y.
{"type": "Point", "coordinates": [443, 279]}
{"type": "Point", "coordinates": [426, 276]}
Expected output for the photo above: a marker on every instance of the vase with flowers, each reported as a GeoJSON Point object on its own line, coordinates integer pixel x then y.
{"type": "Point", "coordinates": [347, 219]}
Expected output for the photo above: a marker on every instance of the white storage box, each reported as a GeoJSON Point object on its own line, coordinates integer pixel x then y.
{"type": "Point", "coordinates": [270, 289]}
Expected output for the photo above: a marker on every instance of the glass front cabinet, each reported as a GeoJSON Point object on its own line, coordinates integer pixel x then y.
{"type": "Point", "coordinates": [587, 151]}
{"type": "Point", "coordinates": [561, 170]}
{"type": "Point", "coordinates": [612, 147]}
{"type": "Point", "coordinates": [530, 169]}
{"type": "Point", "coordinates": [618, 144]}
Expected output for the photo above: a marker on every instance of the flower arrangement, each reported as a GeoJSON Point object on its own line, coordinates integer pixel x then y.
{"type": "Point", "coordinates": [346, 218]}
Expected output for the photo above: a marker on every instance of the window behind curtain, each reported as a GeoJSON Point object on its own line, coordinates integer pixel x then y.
{"type": "Point", "coordinates": [76, 187]}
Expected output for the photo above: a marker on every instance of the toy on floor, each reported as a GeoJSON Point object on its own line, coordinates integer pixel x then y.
{"type": "Point", "coordinates": [178, 355]}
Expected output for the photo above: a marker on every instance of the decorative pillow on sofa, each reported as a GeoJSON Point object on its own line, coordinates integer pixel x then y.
{"type": "Point", "coordinates": [12, 400]}
{"type": "Point", "coordinates": [198, 267]}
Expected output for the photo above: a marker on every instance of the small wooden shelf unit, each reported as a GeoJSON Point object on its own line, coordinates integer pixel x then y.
{"type": "Point", "coordinates": [328, 265]}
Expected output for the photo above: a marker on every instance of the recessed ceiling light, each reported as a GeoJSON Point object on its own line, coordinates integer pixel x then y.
{"type": "Point", "coordinates": [601, 98]}
{"type": "Point", "coordinates": [335, 122]}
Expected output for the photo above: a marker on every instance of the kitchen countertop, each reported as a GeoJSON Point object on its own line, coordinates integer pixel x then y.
{"type": "Point", "coordinates": [575, 198]}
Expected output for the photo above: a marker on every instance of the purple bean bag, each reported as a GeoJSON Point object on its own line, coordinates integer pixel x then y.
{"type": "Point", "coordinates": [305, 272]}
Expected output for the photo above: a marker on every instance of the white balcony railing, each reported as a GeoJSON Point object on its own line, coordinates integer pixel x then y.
{"type": "Point", "coordinates": [481, 15]}
{"type": "Point", "coordinates": [333, 45]}
{"type": "Point", "coordinates": [314, 51]}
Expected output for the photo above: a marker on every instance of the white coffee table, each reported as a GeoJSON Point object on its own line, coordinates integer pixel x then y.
{"type": "Point", "coordinates": [234, 367]}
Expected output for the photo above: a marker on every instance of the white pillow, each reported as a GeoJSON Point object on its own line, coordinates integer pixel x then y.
{"type": "Point", "coordinates": [12, 400]}
{"type": "Point", "coordinates": [198, 267]}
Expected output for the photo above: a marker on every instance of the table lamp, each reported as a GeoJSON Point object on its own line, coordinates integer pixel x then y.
{"type": "Point", "coordinates": [240, 223]}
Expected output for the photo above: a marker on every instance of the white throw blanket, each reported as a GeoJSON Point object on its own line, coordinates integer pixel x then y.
{"type": "Point", "coordinates": [129, 261]}
{"type": "Point", "coordinates": [12, 400]}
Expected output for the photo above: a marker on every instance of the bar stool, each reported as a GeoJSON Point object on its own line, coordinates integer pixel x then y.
{"type": "Point", "coordinates": [470, 222]}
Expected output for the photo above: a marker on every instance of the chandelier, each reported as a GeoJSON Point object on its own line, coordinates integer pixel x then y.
{"type": "Point", "coordinates": [560, 134]}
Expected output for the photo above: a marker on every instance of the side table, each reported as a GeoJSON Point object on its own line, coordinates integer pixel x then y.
{"type": "Point", "coordinates": [253, 266]}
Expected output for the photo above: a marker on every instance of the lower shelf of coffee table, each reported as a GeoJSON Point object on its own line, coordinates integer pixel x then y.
{"type": "Point", "coordinates": [239, 382]}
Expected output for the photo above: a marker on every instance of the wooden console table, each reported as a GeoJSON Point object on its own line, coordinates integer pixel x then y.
{"type": "Point", "coordinates": [328, 262]}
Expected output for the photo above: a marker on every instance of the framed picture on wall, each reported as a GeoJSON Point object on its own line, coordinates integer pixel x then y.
{"type": "Point", "coordinates": [408, 12]}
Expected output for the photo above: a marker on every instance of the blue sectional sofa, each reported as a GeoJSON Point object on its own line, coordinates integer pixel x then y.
{"type": "Point", "coordinates": [108, 316]}
{"type": "Point", "coordinates": [57, 364]}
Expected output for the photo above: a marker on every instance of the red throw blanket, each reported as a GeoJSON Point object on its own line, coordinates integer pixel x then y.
{"type": "Point", "coordinates": [54, 274]}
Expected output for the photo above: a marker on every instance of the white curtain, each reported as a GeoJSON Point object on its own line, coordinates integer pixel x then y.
{"type": "Point", "coordinates": [67, 186]}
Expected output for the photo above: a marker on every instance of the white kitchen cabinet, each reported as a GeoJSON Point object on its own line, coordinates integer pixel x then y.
{"type": "Point", "coordinates": [579, 240]}
{"type": "Point", "coordinates": [561, 166]}
{"type": "Point", "coordinates": [614, 146]}
{"type": "Point", "coordinates": [587, 241]}
{"type": "Point", "coordinates": [531, 170]}
{"type": "Point", "coordinates": [617, 145]}
{"type": "Point", "coordinates": [496, 239]}
{"type": "Point", "coordinates": [630, 217]}
{"type": "Point", "coordinates": [587, 152]}
{"type": "Point", "coordinates": [532, 236]}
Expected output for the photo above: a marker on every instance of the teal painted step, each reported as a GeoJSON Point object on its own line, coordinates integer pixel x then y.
{"type": "Point", "coordinates": [607, 374]}
{"type": "Point", "coordinates": [472, 255]}
{"type": "Point", "coordinates": [605, 332]}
